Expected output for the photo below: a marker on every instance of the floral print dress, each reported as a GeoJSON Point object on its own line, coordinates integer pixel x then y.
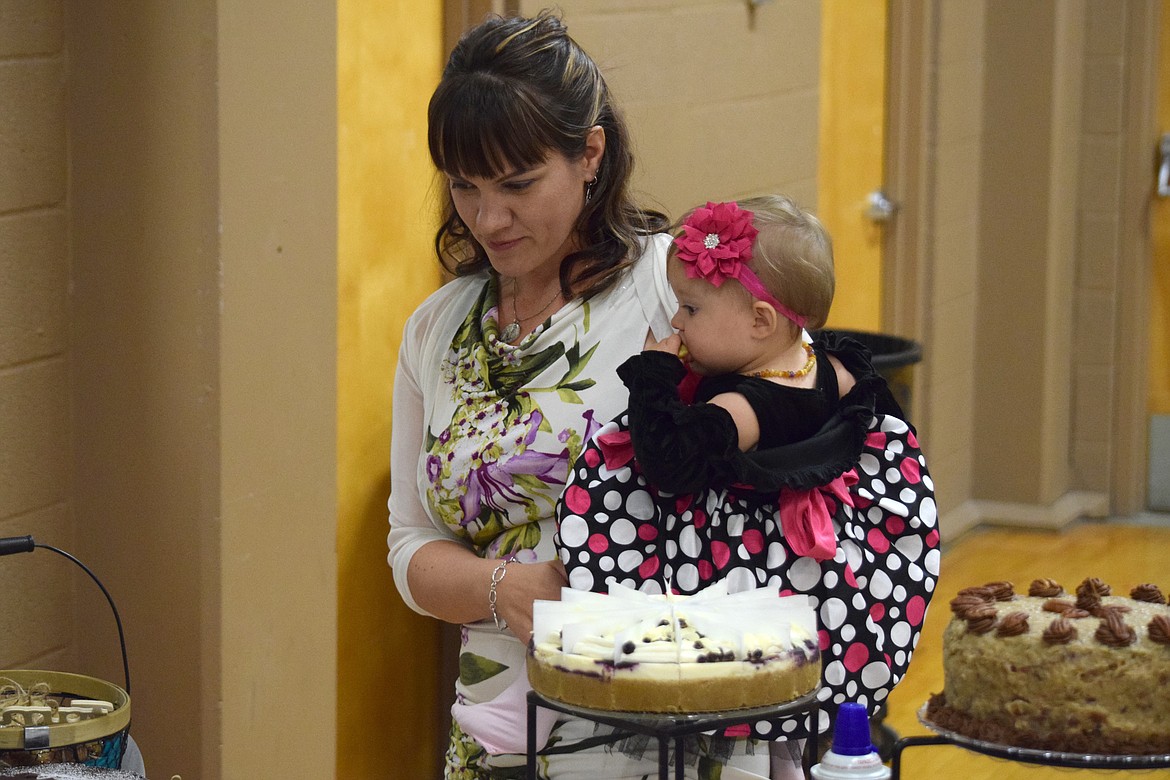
{"type": "Point", "coordinates": [484, 436]}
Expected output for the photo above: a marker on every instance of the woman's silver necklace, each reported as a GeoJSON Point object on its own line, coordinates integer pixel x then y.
{"type": "Point", "coordinates": [511, 331]}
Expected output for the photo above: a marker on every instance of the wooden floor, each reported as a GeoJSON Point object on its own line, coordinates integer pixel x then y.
{"type": "Point", "coordinates": [1123, 555]}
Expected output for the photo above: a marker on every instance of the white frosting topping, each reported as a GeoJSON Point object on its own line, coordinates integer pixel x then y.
{"type": "Point", "coordinates": [628, 626]}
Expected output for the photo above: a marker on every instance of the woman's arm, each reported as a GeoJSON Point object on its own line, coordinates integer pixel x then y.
{"type": "Point", "coordinates": [452, 583]}
{"type": "Point", "coordinates": [436, 573]}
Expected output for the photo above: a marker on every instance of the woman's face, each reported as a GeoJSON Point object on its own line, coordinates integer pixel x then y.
{"type": "Point", "coordinates": [713, 322]}
{"type": "Point", "coordinates": [525, 219]}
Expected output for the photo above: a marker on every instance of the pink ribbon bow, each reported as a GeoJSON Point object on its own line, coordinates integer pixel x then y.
{"type": "Point", "coordinates": [806, 516]}
{"type": "Point", "coordinates": [616, 448]}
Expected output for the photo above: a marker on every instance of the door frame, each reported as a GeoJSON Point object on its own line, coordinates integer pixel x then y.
{"type": "Point", "coordinates": [1129, 439]}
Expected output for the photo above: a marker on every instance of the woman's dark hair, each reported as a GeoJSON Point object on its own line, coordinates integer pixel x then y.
{"type": "Point", "coordinates": [515, 90]}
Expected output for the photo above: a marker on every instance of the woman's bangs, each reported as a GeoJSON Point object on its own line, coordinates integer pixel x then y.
{"type": "Point", "coordinates": [486, 135]}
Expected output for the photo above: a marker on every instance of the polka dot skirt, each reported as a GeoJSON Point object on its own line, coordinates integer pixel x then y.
{"type": "Point", "coordinates": [871, 596]}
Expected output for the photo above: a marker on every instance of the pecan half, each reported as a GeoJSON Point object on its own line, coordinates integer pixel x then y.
{"type": "Point", "coordinates": [1001, 590]}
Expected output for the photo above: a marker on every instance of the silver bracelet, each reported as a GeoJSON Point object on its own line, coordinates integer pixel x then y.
{"type": "Point", "coordinates": [497, 577]}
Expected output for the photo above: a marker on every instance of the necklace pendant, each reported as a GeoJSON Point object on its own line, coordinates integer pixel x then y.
{"type": "Point", "coordinates": [511, 331]}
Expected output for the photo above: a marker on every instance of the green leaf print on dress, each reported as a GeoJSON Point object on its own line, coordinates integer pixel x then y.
{"type": "Point", "coordinates": [498, 466]}
{"type": "Point", "coordinates": [475, 669]}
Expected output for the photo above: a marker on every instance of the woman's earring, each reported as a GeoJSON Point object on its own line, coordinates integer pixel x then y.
{"type": "Point", "coordinates": [589, 190]}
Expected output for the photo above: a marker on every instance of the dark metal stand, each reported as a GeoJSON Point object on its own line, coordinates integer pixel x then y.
{"type": "Point", "coordinates": [1041, 757]}
{"type": "Point", "coordinates": [666, 726]}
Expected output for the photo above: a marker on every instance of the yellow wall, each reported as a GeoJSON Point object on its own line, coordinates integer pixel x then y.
{"type": "Point", "coordinates": [850, 154]}
{"type": "Point", "coordinates": [388, 63]}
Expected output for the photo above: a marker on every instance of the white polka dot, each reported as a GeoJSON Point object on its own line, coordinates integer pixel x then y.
{"type": "Point", "coordinates": [689, 543]}
{"type": "Point", "coordinates": [629, 560]}
{"type": "Point", "coordinates": [605, 563]}
{"type": "Point", "coordinates": [880, 585]}
{"type": "Point", "coordinates": [830, 579]}
{"type": "Point", "coordinates": [928, 511]}
{"type": "Point", "coordinates": [893, 562]}
{"type": "Point", "coordinates": [910, 547]}
{"type": "Point", "coordinates": [612, 500]}
{"type": "Point", "coordinates": [574, 531]}
{"type": "Point", "coordinates": [776, 555]}
{"type": "Point", "coordinates": [932, 560]}
{"type": "Point", "coordinates": [764, 727]}
{"type": "Point", "coordinates": [894, 507]}
{"type": "Point", "coordinates": [687, 577]}
{"type": "Point", "coordinates": [833, 613]}
{"type": "Point", "coordinates": [740, 579]}
{"type": "Point", "coordinates": [640, 506]}
{"type": "Point", "coordinates": [875, 675]}
{"type": "Point", "coordinates": [848, 633]}
{"type": "Point", "coordinates": [869, 464]}
{"type": "Point", "coordinates": [804, 574]}
{"type": "Point", "coordinates": [834, 673]}
{"type": "Point", "coordinates": [580, 578]}
{"type": "Point", "coordinates": [622, 531]}
{"type": "Point", "coordinates": [901, 633]}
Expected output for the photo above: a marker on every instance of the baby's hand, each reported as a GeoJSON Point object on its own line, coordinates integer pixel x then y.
{"type": "Point", "coordinates": [672, 344]}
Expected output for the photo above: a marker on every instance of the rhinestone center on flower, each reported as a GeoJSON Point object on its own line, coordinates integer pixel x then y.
{"type": "Point", "coordinates": [711, 241]}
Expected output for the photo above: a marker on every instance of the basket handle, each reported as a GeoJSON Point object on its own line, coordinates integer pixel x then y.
{"type": "Point", "coordinates": [24, 544]}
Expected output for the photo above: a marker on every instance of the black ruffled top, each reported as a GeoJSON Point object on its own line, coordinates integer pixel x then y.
{"type": "Point", "coordinates": [808, 436]}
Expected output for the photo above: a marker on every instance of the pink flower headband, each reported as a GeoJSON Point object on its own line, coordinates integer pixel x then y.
{"type": "Point", "coordinates": [716, 245]}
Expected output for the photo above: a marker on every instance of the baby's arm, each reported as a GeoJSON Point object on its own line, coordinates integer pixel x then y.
{"type": "Point", "coordinates": [680, 447]}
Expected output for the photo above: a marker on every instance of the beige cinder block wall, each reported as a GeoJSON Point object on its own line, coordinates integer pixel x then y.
{"type": "Point", "coordinates": [721, 97]}
{"type": "Point", "coordinates": [35, 590]}
{"type": "Point", "coordinates": [167, 348]}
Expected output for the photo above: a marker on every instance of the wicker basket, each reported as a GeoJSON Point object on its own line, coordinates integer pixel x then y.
{"type": "Point", "coordinates": [99, 741]}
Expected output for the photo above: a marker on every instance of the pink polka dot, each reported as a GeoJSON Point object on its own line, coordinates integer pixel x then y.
{"type": "Point", "coordinates": [706, 570]}
{"type": "Point", "coordinates": [856, 656]}
{"type": "Point", "coordinates": [877, 541]}
{"type": "Point", "coordinates": [598, 543]}
{"type": "Point", "coordinates": [916, 610]}
{"type": "Point", "coordinates": [741, 730]}
{"type": "Point", "coordinates": [753, 540]}
{"type": "Point", "coordinates": [932, 539]}
{"type": "Point", "coordinates": [592, 458]}
{"type": "Point", "coordinates": [823, 636]}
{"type": "Point", "coordinates": [912, 439]}
{"type": "Point", "coordinates": [700, 518]}
{"type": "Point", "coordinates": [910, 471]}
{"type": "Point", "coordinates": [647, 532]}
{"type": "Point", "coordinates": [577, 499]}
{"type": "Point", "coordinates": [648, 568]}
{"type": "Point", "coordinates": [877, 612]}
{"type": "Point", "coordinates": [876, 439]}
{"type": "Point", "coordinates": [895, 525]}
{"type": "Point", "coordinates": [681, 503]}
{"type": "Point", "coordinates": [720, 553]}
{"type": "Point", "coordinates": [850, 577]}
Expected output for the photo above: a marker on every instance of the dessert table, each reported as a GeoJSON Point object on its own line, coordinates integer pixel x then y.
{"type": "Point", "coordinates": [665, 726]}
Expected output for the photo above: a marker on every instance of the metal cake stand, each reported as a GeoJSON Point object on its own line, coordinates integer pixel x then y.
{"type": "Point", "coordinates": [943, 736]}
{"type": "Point", "coordinates": [665, 726]}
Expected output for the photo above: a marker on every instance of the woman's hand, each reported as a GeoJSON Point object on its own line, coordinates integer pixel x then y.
{"type": "Point", "coordinates": [523, 584]}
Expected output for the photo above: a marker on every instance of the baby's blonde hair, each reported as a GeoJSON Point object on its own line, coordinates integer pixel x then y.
{"type": "Point", "coordinates": [793, 256]}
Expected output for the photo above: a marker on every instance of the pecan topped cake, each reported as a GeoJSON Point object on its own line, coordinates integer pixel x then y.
{"type": "Point", "coordinates": [1080, 672]}
{"type": "Point", "coordinates": [713, 651]}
